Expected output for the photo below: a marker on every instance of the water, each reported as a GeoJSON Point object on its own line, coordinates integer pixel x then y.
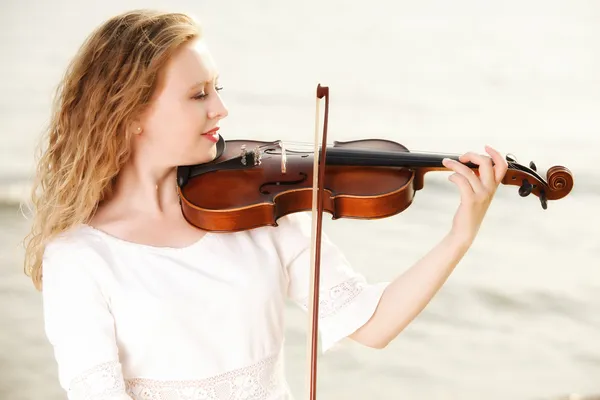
{"type": "Point", "coordinates": [520, 316]}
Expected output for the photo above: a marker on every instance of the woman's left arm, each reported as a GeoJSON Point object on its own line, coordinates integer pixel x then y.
{"type": "Point", "coordinates": [406, 296]}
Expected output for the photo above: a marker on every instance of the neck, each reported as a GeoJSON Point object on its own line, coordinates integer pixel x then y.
{"type": "Point", "coordinates": [146, 189]}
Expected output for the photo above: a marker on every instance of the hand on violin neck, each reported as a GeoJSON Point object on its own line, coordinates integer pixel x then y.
{"type": "Point", "coordinates": [476, 190]}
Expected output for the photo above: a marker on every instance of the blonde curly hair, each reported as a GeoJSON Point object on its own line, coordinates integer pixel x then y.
{"type": "Point", "coordinates": [109, 82]}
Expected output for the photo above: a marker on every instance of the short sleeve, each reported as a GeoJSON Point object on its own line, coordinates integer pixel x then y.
{"type": "Point", "coordinates": [79, 324]}
{"type": "Point", "coordinates": [346, 300]}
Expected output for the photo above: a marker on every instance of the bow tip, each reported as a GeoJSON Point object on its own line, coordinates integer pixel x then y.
{"type": "Point", "coordinates": [322, 91]}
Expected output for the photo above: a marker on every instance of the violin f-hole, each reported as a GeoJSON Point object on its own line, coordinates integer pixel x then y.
{"type": "Point", "coordinates": [264, 187]}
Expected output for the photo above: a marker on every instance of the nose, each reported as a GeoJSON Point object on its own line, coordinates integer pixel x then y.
{"type": "Point", "coordinates": [218, 109]}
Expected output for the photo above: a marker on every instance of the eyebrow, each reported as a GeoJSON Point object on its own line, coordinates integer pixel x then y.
{"type": "Point", "coordinates": [198, 84]}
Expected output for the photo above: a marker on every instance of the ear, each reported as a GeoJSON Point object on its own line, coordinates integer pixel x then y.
{"type": "Point", "coordinates": [135, 127]}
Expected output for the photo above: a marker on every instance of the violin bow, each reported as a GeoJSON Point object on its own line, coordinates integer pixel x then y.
{"type": "Point", "coordinates": [315, 256]}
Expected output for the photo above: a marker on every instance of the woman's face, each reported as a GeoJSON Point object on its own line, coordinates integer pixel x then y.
{"type": "Point", "coordinates": [186, 106]}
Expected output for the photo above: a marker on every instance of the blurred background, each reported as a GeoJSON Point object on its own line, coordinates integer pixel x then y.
{"type": "Point", "coordinates": [519, 318]}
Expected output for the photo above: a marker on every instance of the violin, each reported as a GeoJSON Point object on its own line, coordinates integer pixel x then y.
{"type": "Point", "coordinates": [253, 183]}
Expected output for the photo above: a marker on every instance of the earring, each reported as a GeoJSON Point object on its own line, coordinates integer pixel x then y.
{"type": "Point", "coordinates": [139, 129]}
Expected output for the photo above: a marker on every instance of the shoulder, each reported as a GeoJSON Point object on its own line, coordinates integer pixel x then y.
{"type": "Point", "coordinates": [289, 229]}
{"type": "Point", "coordinates": [76, 241]}
{"type": "Point", "coordinates": [294, 224]}
{"type": "Point", "coordinates": [76, 254]}
{"type": "Point", "coordinates": [289, 238]}
{"type": "Point", "coordinates": [299, 221]}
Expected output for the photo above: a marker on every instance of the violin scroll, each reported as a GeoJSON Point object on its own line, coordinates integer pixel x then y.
{"type": "Point", "coordinates": [560, 179]}
{"type": "Point", "coordinates": [558, 182]}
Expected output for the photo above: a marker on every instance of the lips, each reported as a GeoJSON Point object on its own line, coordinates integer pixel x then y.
{"type": "Point", "coordinates": [212, 135]}
{"type": "Point", "coordinates": [212, 131]}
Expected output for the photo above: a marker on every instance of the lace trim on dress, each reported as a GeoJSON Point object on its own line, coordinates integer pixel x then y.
{"type": "Point", "coordinates": [335, 298]}
{"type": "Point", "coordinates": [98, 383]}
{"type": "Point", "coordinates": [255, 382]}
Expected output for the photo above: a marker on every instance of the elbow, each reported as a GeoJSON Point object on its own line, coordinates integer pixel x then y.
{"type": "Point", "coordinates": [371, 342]}
{"type": "Point", "coordinates": [369, 336]}
{"type": "Point", "coordinates": [378, 345]}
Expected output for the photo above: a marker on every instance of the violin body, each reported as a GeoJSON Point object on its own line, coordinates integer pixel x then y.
{"type": "Point", "coordinates": [254, 183]}
{"type": "Point", "coordinates": [237, 197]}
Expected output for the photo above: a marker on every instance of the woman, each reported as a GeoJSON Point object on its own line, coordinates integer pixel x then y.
{"type": "Point", "coordinates": [138, 304]}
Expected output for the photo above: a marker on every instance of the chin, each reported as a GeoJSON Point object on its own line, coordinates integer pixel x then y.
{"type": "Point", "coordinates": [212, 153]}
{"type": "Point", "coordinates": [201, 156]}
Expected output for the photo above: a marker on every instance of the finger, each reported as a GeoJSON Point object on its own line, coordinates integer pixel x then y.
{"type": "Point", "coordinates": [486, 170]}
{"type": "Point", "coordinates": [465, 171]}
{"type": "Point", "coordinates": [500, 164]}
{"type": "Point", "coordinates": [466, 191]}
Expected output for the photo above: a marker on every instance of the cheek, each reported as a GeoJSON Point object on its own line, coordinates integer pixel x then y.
{"type": "Point", "coordinates": [183, 122]}
{"type": "Point", "coordinates": [191, 120]}
{"type": "Point", "coordinates": [174, 130]}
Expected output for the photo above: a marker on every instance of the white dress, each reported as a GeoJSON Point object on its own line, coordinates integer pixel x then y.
{"type": "Point", "coordinates": [132, 321]}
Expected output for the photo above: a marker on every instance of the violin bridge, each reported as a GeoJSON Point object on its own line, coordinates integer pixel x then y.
{"type": "Point", "coordinates": [283, 158]}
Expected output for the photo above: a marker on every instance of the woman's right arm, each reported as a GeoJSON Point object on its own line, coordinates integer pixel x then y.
{"type": "Point", "coordinates": [79, 324]}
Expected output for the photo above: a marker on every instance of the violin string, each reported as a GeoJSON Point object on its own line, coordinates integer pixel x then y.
{"type": "Point", "coordinates": [311, 145]}
{"type": "Point", "coordinates": [308, 147]}
{"type": "Point", "coordinates": [302, 145]}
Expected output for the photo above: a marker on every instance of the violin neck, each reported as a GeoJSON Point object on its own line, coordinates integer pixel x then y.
{"type": "Point", "coordinates": [376, 158]}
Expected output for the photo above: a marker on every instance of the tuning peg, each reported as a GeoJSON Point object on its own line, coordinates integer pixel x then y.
{"type": "Point", "coordinates": [543, 199]}
{"type": "Point", "coordinates": [525, 189]}
{"type": "Point", "coordinates": [511, 158]}
{"type": "Point", "coordinates": [532, 166]}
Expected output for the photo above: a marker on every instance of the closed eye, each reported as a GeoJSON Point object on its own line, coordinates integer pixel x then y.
{"type": "Point", "coordinates": [202, 95]}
